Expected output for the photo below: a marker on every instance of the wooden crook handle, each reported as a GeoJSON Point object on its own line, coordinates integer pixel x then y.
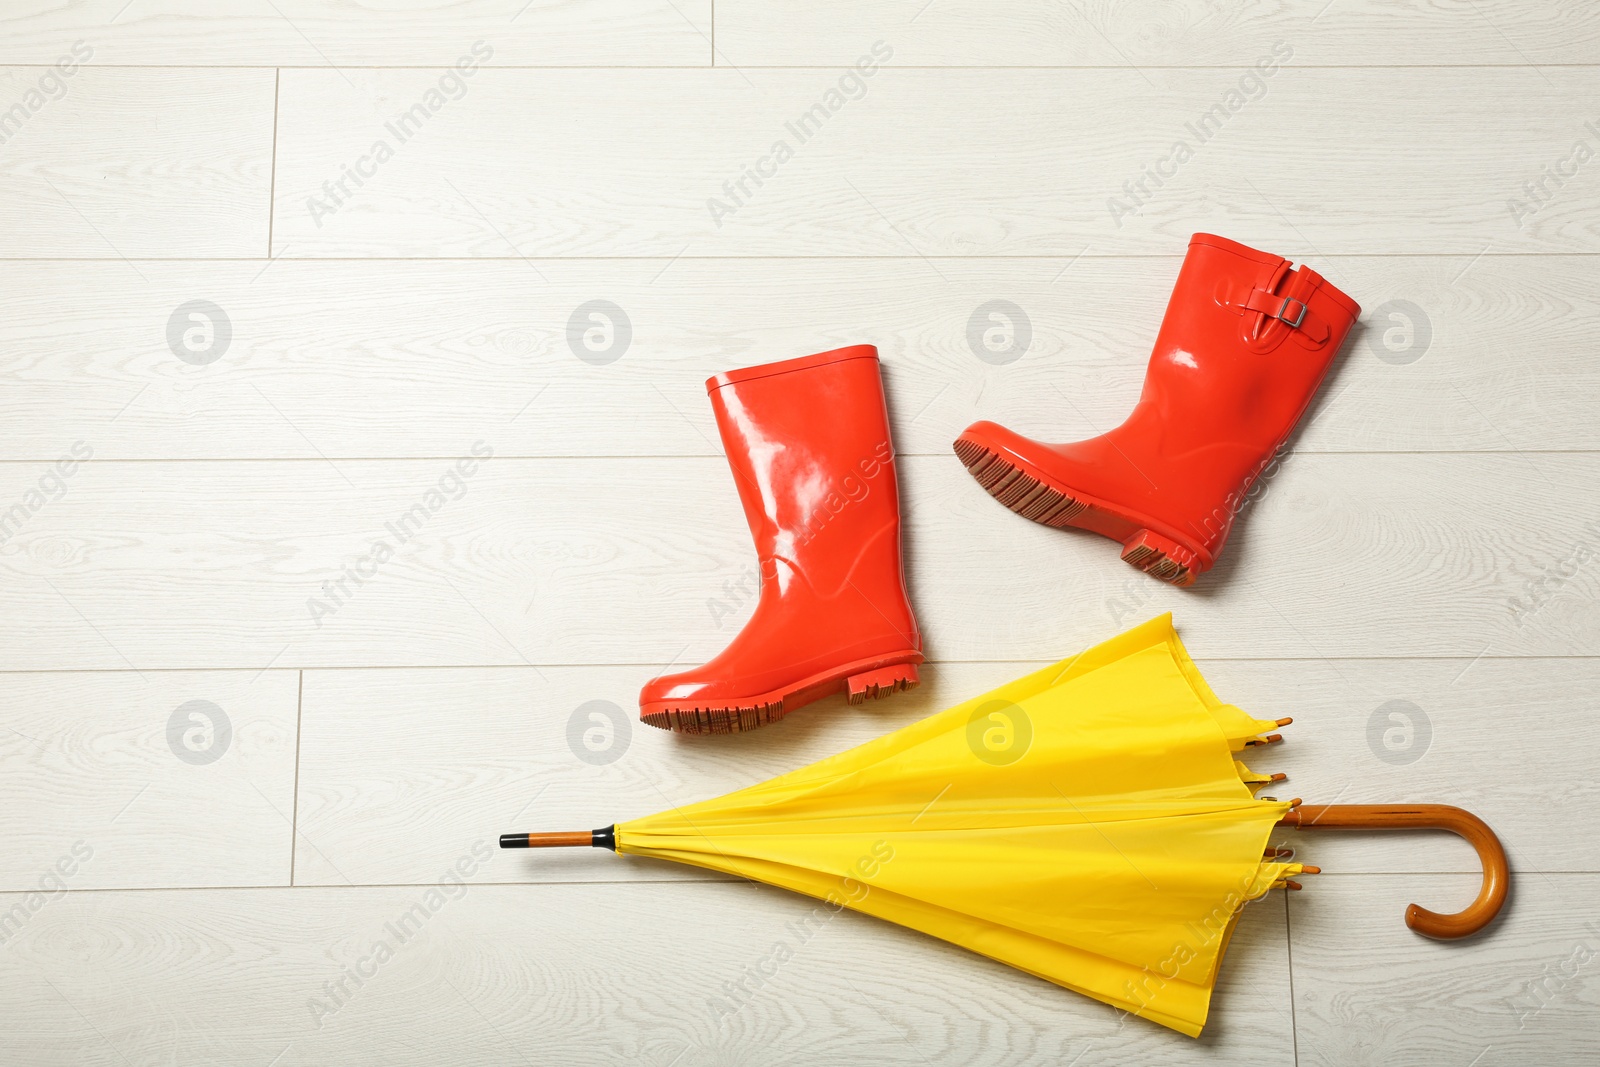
{"type": "Point", "coordinates": [1496, 878]}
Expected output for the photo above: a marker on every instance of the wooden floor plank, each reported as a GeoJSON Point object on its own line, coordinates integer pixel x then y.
{"type": "Point", "coordinates": [935, 163]}
{"type": "Point", "coordinates": [304, 33]}
{"type": "Point", "coordinates": [410, 359]}
{"type": "Point", "coordinates": [257, 317]}
{"type": "Point", "coordinates": [402, 769]}
{"type": "Point", "coordinates": [1185, 33]}
{"type": "Point", "coordinates": [207, 565]}
{"type": "Point", "coordinates": [119, 780]}
{"type": "Point", "coordinates": [1369, 991]}
{"type": "Point", "coordinates": [566, 974]}
{"type": "Point", "coordinates": [117, 163]}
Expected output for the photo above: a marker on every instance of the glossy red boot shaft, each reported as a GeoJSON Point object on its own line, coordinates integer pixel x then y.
{"type": "Point", "coordinates": [808, 442]}
{"type": "Point", "coordinates": [1244, 345]}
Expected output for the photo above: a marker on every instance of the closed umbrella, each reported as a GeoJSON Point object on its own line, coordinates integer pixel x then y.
{"type": "Point", "coordinates": [1089, 823]}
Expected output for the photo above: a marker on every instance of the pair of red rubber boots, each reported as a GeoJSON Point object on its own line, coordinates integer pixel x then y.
{"type": "Point", "coordinates": [1244, 345]}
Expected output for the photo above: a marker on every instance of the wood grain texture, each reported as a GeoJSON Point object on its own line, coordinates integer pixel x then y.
{"type": "Point", "coordinates": [1154, 33]}
{"type": "Point", "coordinates": [1495, 736]}
{"type": "Point", "coordinates": [1368, 991]}
{"type": "Point", "coordinates": [1417, 582]}
{"type": "Point", "coordinates": [934, 163]}
{"type": "Point", "coordinates": [149, 795]}
{"type": "Point", "coordinates": [305, 33]}
{"type": "Point", "coordinates": [568, 974]}
{"type": "Point", "coordinates": [402, 769]}
{"type": "Point", "coordinates": [408, 359]}
{"type": "Point", "coordinates": [625, 560]}
{"type": "Point", "coordinates": [126, 163]}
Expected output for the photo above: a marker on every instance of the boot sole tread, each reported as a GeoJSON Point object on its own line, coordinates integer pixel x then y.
{"type": "Point", "coordinates": [1041, 502]}
{"type": "Point", "coordinates": [859, 686]}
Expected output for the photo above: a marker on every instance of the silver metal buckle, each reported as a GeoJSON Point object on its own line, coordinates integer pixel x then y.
{"type": "Point", "coordinates": [1295, 322]}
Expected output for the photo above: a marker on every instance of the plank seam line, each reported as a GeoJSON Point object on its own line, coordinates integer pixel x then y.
{"type": "Point", "coordinates": [683, 456]}
{"type": "Point", "coordinates": [1288, 946]}
{"type": "Point", "coordinates": [294, 817]}
{"type": "Point", "coordinates": [758, 257]}
{"type": "Point", "coordinates": [653, 882]}
{"type": "Point", "coordinates": [931, 663]}
{"type": "Point", "coordinates": [272, 180]}
{"type": "Point", "coordinates": [825, 67]}
{"type": "Point", "coordinates": [374, 885]}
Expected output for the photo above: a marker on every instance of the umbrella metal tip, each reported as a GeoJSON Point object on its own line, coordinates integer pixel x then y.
{"type": "Point", "coordinates": [1308, 869]}
{"type": "Point", "coordinates": [1280, 777]}
{"type": "Point", "coordinates": [1285, 721]}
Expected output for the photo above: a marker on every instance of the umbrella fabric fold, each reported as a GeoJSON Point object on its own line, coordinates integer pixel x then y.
{"type": "Point", "coordinates": [1088, 823]}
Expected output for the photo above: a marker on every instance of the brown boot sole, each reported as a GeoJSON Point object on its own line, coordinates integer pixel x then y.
{"type": "Point", "coordinates": [860, 682]}
{"type": "Point", "coordinates": [1033, 498]}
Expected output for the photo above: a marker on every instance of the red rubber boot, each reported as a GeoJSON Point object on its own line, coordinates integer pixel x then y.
{"type": "Point", "coordinates": [808, 441]}
{"type": "Point", "coordinates": [1243, 347]}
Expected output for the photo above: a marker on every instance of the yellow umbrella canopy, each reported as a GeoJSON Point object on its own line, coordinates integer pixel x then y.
{"type": "Point", "coordinates": [1087, 823]}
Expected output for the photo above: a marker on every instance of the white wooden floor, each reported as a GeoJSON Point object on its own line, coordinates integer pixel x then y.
{"type": "Point", "coordinates": [225, 376]}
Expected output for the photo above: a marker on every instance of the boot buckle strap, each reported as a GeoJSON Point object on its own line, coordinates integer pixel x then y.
{"type": "Point", "coordinates": [1277, 307]}
{"type": "Point", "coordinates": [1299, 317]}
{"type": "Point", "coordinates": [1291, 311]}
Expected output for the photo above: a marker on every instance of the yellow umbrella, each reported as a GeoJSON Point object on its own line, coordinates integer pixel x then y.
{"type": "Point", "coordinates": [1087, 823]}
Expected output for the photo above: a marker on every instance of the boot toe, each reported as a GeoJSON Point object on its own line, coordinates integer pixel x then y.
{"type": "Point", "coordinates": [674, 687]}
{"type": "Point", "coordinates": [995, 438]}
{"type": "Point", "coordinates": [1014, 449]}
